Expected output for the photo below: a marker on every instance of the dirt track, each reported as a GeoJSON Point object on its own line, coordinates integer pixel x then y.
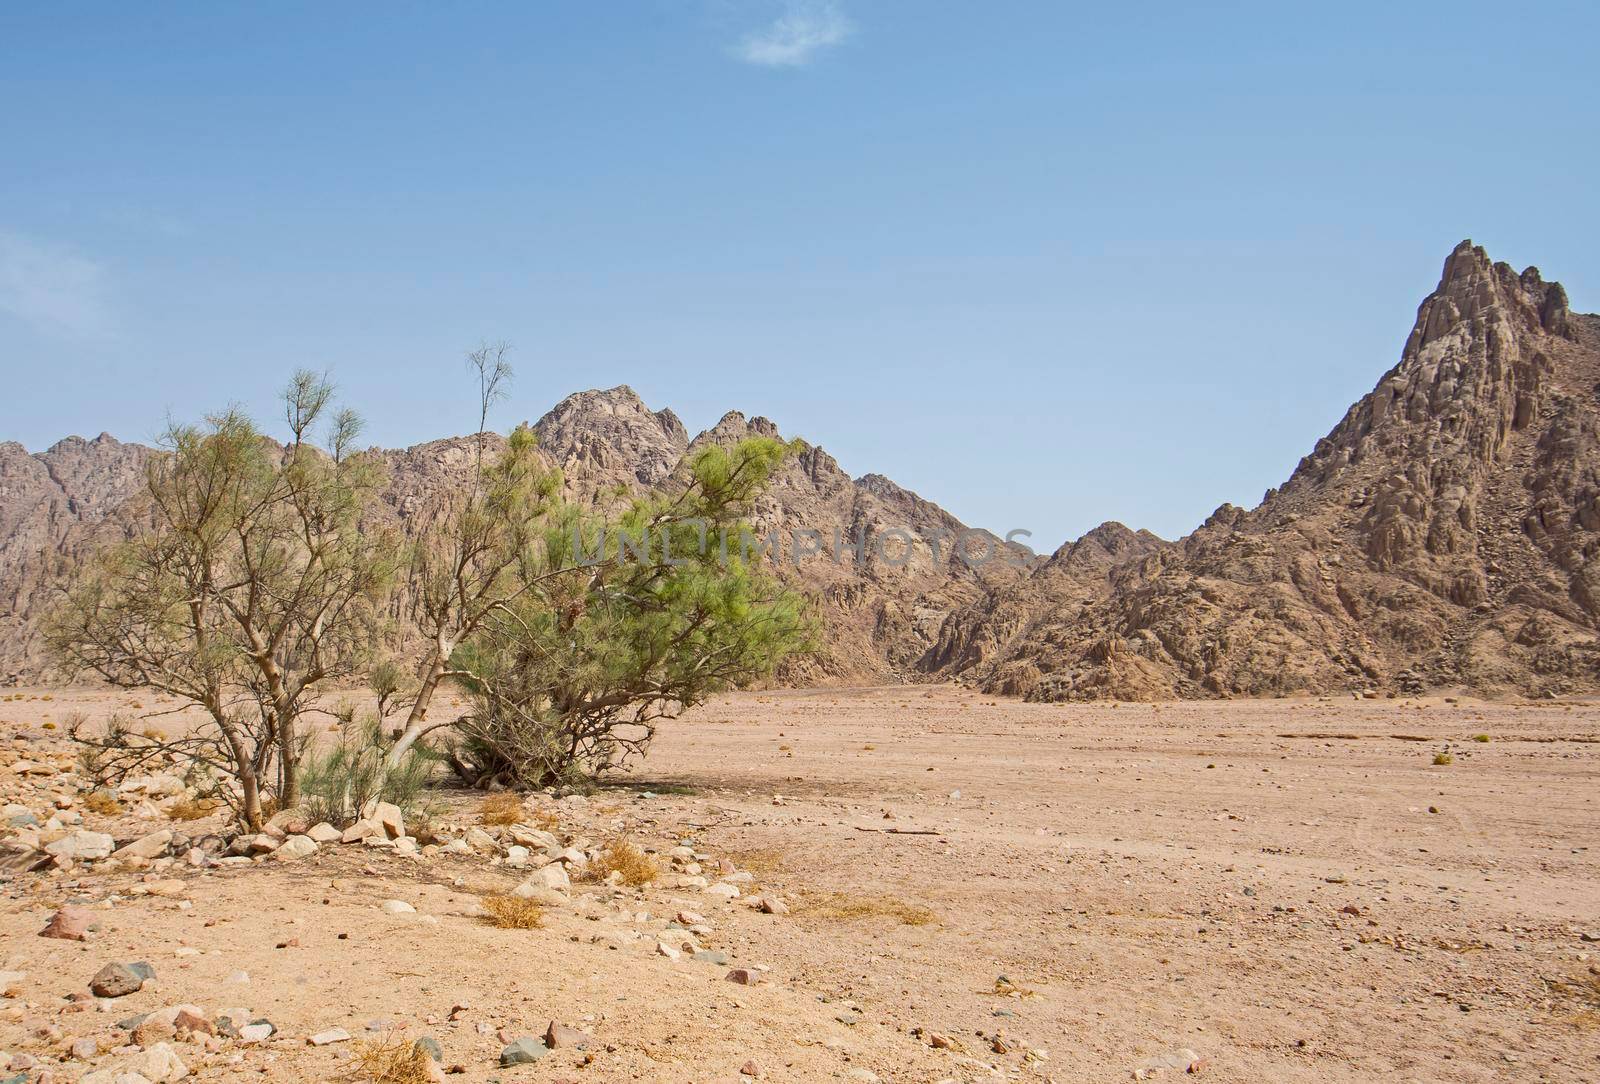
{"type": "Point", "coordinates": [1154, 877]}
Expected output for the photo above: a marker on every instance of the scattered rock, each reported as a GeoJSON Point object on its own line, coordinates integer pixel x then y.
{"type": "Point", "coordinates": [558, 1035]}
{"type": "Point", "coordinates": [81, 846]}
{"type": "Point", "coordinates": [295, 847]}
{"type": "Point", "coordinates": [743, 976]}
{"type": "Point", "coordinates": [70, 924]}
{"type": "Point", "coordinates": [153, 845]}
{"type": "Point", "coordinates": [523, 1052]}
{"type": "Point", "coordinates": [324, 833]}
{"type": "Point", "coordinates": [329, 1037]}
{"type": "Point", "coordinates": [398, 907]}
{"type": "Point", "coordinates": [116, 980]}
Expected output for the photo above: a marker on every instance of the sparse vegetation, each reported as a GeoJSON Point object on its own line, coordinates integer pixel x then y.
{"type": "Point", "coordinates": [622, 857]}
{"type": "Point", "coordinates": [254, 586]}
{"type": "Point", "coordinates": [337, 783]}
{"type": "Point", "coordinates": [599, 640]}
{"type": "Point", "coordinates": [392, 1060]}
{"type": "Point", "coordinates": [511, 912]}
{"type": "Point", "coordinates": [1481, 738]}
{"type": "Point", "coordinates": [191, 809]}
{"type": "Point", "coordinates": [103, 803]}
{"type": "Point", "coordinates": [1442, 759]}
{"type": "Point", "coordinates": [845, 907]}
{"type": "Point", "coordinates": [502, 808]}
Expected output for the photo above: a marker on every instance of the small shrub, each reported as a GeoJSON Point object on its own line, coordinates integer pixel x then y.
{"type": "Point", "coordinates": [335, 785]}
{"type": "Point", "coordinates": [392, 1060]}
{"type": "Point", "coordinates": [636, 868]}
{"type": "Point", "coordinates": [845, 907]}
{"type": "Point", "coordinates": [191, 809]}
{"type": "Point", "coordinates": [102, 802]}
{"type": "Point", "coordinates": [502, 808]}
{"type": "Point", "coordinates": [511, 912]}
{"type": "Point", "coordinates": [1481, 738]}
{"type": "Point", "coordinates": [1443, 758]}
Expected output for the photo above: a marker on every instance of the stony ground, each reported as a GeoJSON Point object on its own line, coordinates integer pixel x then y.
{"type": "Point", "coordinates": [975, 890]}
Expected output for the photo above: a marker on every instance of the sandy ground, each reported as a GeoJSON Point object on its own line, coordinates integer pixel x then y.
{"type": "Point", "coordinates": [1292, 890]}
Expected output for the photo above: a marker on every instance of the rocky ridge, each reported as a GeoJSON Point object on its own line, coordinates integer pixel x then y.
{"type": "Point", "coordinates": [1442, 535]}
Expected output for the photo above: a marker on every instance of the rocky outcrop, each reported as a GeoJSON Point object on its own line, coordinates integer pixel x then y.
{"type": "Point", "coordinates": [878, 618]}
{"type": "Point", "coordinates": [1443, 534]}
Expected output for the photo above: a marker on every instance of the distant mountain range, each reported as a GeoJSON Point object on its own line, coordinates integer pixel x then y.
{"type": "Point", "coordinates": [1442, 535]}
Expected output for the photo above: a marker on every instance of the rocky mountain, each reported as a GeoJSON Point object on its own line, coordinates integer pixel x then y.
{"type": "Point", "coordinates": [879, 617]}
{"type": "Point", "coordinates": [1443, 534]}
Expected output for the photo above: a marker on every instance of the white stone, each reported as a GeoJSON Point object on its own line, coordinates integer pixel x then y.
{"type": "Point", "coordinates": [398, 907]}
{"type": "Point", "coordinates": [296, 847]}
{"type": "Point", "coordinates": [81, 846]}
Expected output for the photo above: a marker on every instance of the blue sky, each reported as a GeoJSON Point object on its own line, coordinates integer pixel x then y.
{"type": "Point", "coordinates": [1045, 264]}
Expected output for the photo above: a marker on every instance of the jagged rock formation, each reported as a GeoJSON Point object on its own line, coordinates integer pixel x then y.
{"type": "Point", "coordinates": [1443, 534]}
{"type": "Point", "coordinates": [878, 618]}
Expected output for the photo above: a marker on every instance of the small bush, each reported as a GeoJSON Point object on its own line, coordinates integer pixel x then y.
{"type": "Point", "coordinates": [392, 1060]}
{"type": "Point", "coordinates": [511, 912]}
{"type": "Point", "coordinates": [1481, 738]}
{"type": "Point", "coordinates": [1443, 758]}
{"type": "Point", "coordinates": [191, 809]}
{"type": "Point", "coordinates": [845, 907]}
{"type": "Point", "coordinates": [335, 785]}
{"type": "Point", "coordinates": [636, 868]}
{"type": "Point", "coordinates": [503, 808]}
{"type": "Point", "coordinates": [103, 803]}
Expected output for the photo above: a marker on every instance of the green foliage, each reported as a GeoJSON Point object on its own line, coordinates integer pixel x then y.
{"type": "Point", "coordinates": [250, 587]}
{"type": "Point", "coordinates": [336, 783]}
{"type": "Point", "coordinates": [570, 676]}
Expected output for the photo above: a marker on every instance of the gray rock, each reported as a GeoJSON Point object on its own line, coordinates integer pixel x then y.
{"type": "Point", "coordinates": [115, 980]}
{"type": "Point", "coordinates": [523, 1052]}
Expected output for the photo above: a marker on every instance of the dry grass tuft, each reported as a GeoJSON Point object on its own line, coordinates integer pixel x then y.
{"type": "Point", "coordinates": [636, 868]}
{"type": "Point", "coordinates": [544, 819]}
{"type": "Point", "coordinates": [843, 907]}
{"type": "Point", "coordinates": [511, 912]}
{"type": "Point", "coordinates": [1443, 758]}
{"type": "Point", "coordinates": [103, 803]}
{"type": "Point", "coordinates": [761, 861]}
{"type": "Point", "coordinates": [391, 1060]}
{"type": "Point", "coordinates": [191, 809]}
{"type": "Point", "coordinates": [503, 808]}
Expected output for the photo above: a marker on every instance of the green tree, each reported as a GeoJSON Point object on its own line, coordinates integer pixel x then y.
{"type": "Point", "coordinates": [619, 624]}
{"type": "Point", "coordinates": [253, 586]}
{"type": "Point", "coordinates": [464, 558]}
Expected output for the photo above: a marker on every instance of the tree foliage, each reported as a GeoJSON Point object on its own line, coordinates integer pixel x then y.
{"type": "Point", "coordinates": [617, 624]}
{"type": "Point", "coordinates": [253, 587]}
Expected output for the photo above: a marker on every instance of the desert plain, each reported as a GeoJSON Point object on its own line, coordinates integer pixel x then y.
{"type": "Point", "coordinates": [967, 889]}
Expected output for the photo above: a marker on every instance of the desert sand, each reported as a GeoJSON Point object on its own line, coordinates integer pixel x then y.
{"type": "Point", "coordinates": [976, 889]}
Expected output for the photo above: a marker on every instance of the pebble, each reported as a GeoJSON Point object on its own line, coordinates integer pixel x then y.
{"type": "Point", "coordinates": [329, 1037]}
{"type": "Point", "coordinates": [398, 907]}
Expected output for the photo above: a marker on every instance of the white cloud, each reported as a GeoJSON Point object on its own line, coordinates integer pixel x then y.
{"type": "Point", "coordinates": [51, 288]}
{"type": "Point", "coordinates": [805, 28]}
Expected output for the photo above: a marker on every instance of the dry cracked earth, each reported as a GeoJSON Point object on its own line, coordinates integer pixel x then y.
{"type": "Point", "coordinates": [1286, 890]}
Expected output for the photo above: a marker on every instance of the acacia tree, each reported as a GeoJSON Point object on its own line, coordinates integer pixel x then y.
{"type": "Point", "coordinates": [618, 625]}
{"type": "Point", "coordinates": [253, 586]}
{"type": "Point", "coordinates": [463, 558]}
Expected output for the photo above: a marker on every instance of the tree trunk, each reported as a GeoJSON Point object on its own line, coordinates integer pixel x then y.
{"type": "Point", "coordinates": [417, 720]}
{"type": "Point", "coordinates": [288, 762]}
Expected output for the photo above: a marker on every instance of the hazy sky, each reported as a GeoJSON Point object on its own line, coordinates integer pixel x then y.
{"type": "Point", "coordinates": [1047, 264]}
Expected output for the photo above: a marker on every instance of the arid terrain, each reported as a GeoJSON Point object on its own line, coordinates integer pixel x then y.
{"type": "Point", "coordinates": [975, 889]}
